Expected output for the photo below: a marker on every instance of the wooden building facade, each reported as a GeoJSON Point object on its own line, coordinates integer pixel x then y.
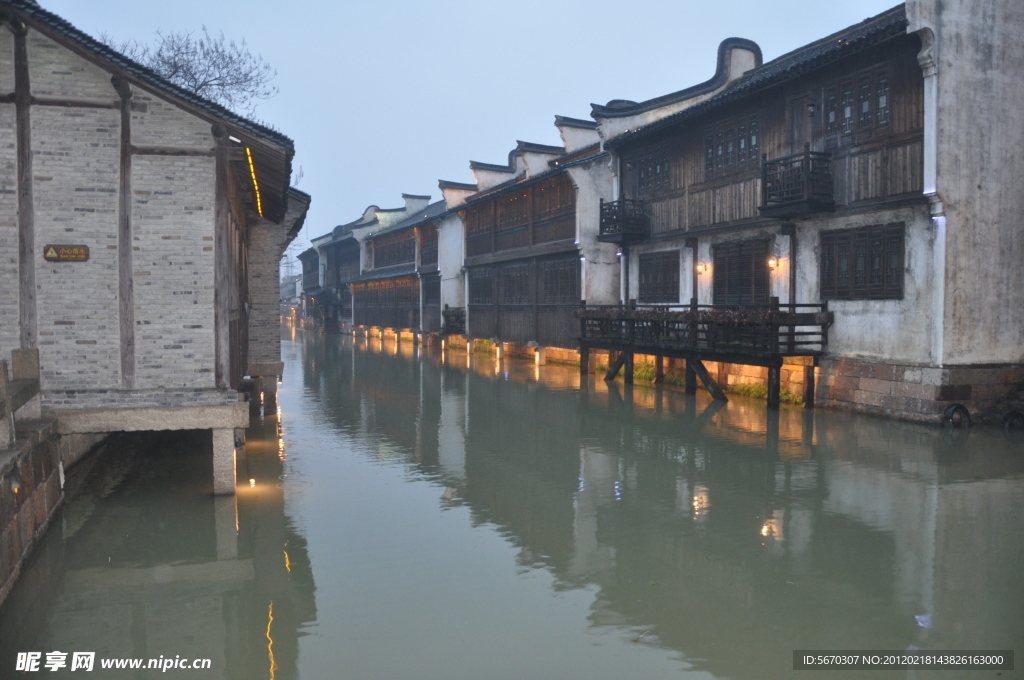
{"type": "Point", "coordinates": [522, 262]}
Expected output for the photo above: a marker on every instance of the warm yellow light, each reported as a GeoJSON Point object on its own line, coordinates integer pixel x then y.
{"type": "Point", "coordinates": [252, 482]}
{"type": "Point", "coordinates": [287, 561]}
{"type": "Point", "coordinates": [255, 184]}
{"type": "Point", "coordinates": [701, 268]}
{"type": "Point", "coordinates": [773, 262]}
{"type": "Point", "coordinates": [270, 642]}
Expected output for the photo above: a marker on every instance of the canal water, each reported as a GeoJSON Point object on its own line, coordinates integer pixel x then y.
{"type": "Point", "coordinates": [423, 514]}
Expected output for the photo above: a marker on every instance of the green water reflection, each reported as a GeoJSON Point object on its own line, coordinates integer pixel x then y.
{"type": "Point", "coordinates": [425, 514]}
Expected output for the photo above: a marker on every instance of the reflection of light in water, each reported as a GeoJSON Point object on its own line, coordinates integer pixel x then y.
{"type": "Point", "coordinates": [771, 528]}
{"type": "Point", "coordinates": [536, 372]}
{"type": "Point", "coordinates": [287, 561]}
{"type": "Point", "coordinates": [270, 641]}
{"type": "Point", "coordinates": [701, 501]}
{"type": "Point", "coordinates": [617, 487]}
{"type": "Point", "coordinates": [497, 367]}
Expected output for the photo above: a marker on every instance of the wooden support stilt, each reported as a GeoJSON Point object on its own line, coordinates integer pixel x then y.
{"type": "Point", "coordinates": [613, 370]}
{"type": "Point", "coordinates": [659, 370]}
{"type": "Point", "coordinates": [584, 361]}
{"type": "Point", "coordinates": [628, 375]}
{"type": "Point", "coordinates": [698, 367]}
{"type": "Point", "coordinates": [691, 378]}
{"type": "Point", "coordinates": [774, 386]}
{"type": "Point", "coordinates": [808, 386]}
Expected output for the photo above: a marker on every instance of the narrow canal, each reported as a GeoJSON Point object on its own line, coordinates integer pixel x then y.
{"type": "Point", "coordinates": [418, 515]}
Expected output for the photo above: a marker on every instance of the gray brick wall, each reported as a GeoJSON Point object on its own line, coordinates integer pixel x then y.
{"type": "Point", "coordinates": [9, 336]}
{"type": "Point", "coordinates": [76, 175]}
{"type": "Point", "coordinates": [173, 261]}
{"type": "Point", "coordinates": [155, 122]}
{"type": "Point", "coordinates": [57, 72]}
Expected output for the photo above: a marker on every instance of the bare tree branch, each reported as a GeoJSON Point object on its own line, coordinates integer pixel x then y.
{"type": "Point", "coordinates": [213, 67]}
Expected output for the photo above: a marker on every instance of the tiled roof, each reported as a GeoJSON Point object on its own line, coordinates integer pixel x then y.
{"type": "Point", "coordinates": [143, 74]}
{"type": "Point", "coordinates": [430, 212]}
{"type": "Point", "coordinates": [884, 26]}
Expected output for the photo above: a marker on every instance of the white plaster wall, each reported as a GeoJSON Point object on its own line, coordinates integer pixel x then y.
{"type": "Point", "coordinates": [57, 72]}
{"type": "Point", "coordinates": [485, 179]}
{"type": "Point", "coordinates": [575, 138]}
{"type": "Point", "coordinates": [892, 330]}
{"type": "Point", "coordinates": [978, 137]}
{"type": "Point", "coordinates": [739, 62]}
{"type": "Point", "coordinates": [450, 249]}
{"type": "Point", "coordinates": [536, 163]}
{"type": "Point", "coordinates": [601, 264]}
{"type": "Point", "coordinates": [173, 268]}
{"type": "Point", "coordinates": [76, 173]}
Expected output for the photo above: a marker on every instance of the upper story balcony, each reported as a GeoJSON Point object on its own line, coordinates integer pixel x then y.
{"type": "Point", "coordinates": [796, 185]}
{"type": "Point", "coordinates": [623, 221]}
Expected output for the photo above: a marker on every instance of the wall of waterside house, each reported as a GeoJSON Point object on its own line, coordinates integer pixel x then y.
{"type": "Point", "coordinates": [973, 58]}
{"type": "Point", "coordinates": [76, 190]}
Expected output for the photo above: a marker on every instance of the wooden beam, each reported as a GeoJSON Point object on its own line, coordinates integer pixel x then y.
{"type": "Point", "coordinates": [705, 377]}
{"type": "Point", "coordinates": [125, 274]}
{"type": "Point", "coordinates": [75, 103]}
{"type": "Point", "coordinates": [26, 204]}
{"type": "Point", "coordinates": [613, 370]}
{"type": "Point", "coordinates": [809, 386]}
{"type": "Point", "coordinates": [691, 378]}
{"type": "Point", "coordinates": [171, 151]}
{"type": "Point", "coordinates": [221, 260]}
{"type": "Point", "coordinates": [774, 386]}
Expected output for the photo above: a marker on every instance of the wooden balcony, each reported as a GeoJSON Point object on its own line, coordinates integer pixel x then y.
{"type": "Point", "coordinates": [755, 335]}
{"type": "Point", "coordinates": [737, 334]}
{"type": "Point", "coordinates": [797, 185]}
{"type": "Point", "coordinates": [623, 221]}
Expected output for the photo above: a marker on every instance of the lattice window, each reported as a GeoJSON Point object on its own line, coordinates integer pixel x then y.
{"type": "Point", "coordinates": [560, 280]}
{"type": "Point", "coordinates": [863, 263]}
{"type": "Point", "coordinates": [846, 109]}
{"type": "Point", "coordinates": [857, 105]}
{"type": "Point", "coordinates": [428, 245]}
{"type": "Point", "coordinates": [512, 210]}
{"type": "Point", "coordinates": [553, 198]}
{"type": "Point", "coordinates": [431, 290]}
{"type": "Point", "coordinates": [659, 276]}
{"type": "Point", "coordinates": [731, 146]}
{"type": "Point", "coordinates": [741, 275]}
{"type": "Point", "coordinates": [478, 221]}
{"type": "Point", "coordinates": [515, 284]}
{"type": "Point", "coordinates": [394, 249]}
{"type": "Point", "coordinates": [652, 171]}
{"type": "Point", "coordinates": [882, 102]}
{"type": "Point", "coordinates": [864, 117]}
{"type": "Point", "coordinates": [831, 112]}
{"type": "Point", "coordinates": [481, 286]}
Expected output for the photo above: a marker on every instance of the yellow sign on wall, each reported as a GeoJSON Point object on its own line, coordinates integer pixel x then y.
{"type": "Point", "coordinates": [65, 253]}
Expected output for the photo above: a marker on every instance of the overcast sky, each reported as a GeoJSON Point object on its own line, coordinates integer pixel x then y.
{"type": "Point", "coordinates": [388, 96]}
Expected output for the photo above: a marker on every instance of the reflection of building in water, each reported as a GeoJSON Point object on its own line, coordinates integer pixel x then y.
{"type": "Point", "coordinates": [711, 526]}
{"type": "Point", "coordinates": [156, 567]}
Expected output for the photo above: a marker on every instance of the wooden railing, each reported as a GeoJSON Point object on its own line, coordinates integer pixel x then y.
{"type": "Point", "coordinates": [797, 184]}
{"type": "Point", "coordinates": [763, 331]}
{"type": "Point", "coordinates": [623, 221]}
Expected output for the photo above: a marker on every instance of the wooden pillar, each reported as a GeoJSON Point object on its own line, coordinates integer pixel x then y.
{"type": "Point", "coordinates": [691, 378]}
{"type": "Point", "coordinates": [628, 376]}
{"type": "Point", "coordinates": [809, 386]}
{"type": "Point", "coordinates": [584, 361]}
{"type": "Point", "coordinates": [774, 386]}
{"type": "Point", "coordinates": [659, 369]}
{"type": "Point", "coordinates": [125, 274]}
{"type": "Point", "coordinates": [26, 204]}
{"type": "Point", "coordinates": [221, 261]}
